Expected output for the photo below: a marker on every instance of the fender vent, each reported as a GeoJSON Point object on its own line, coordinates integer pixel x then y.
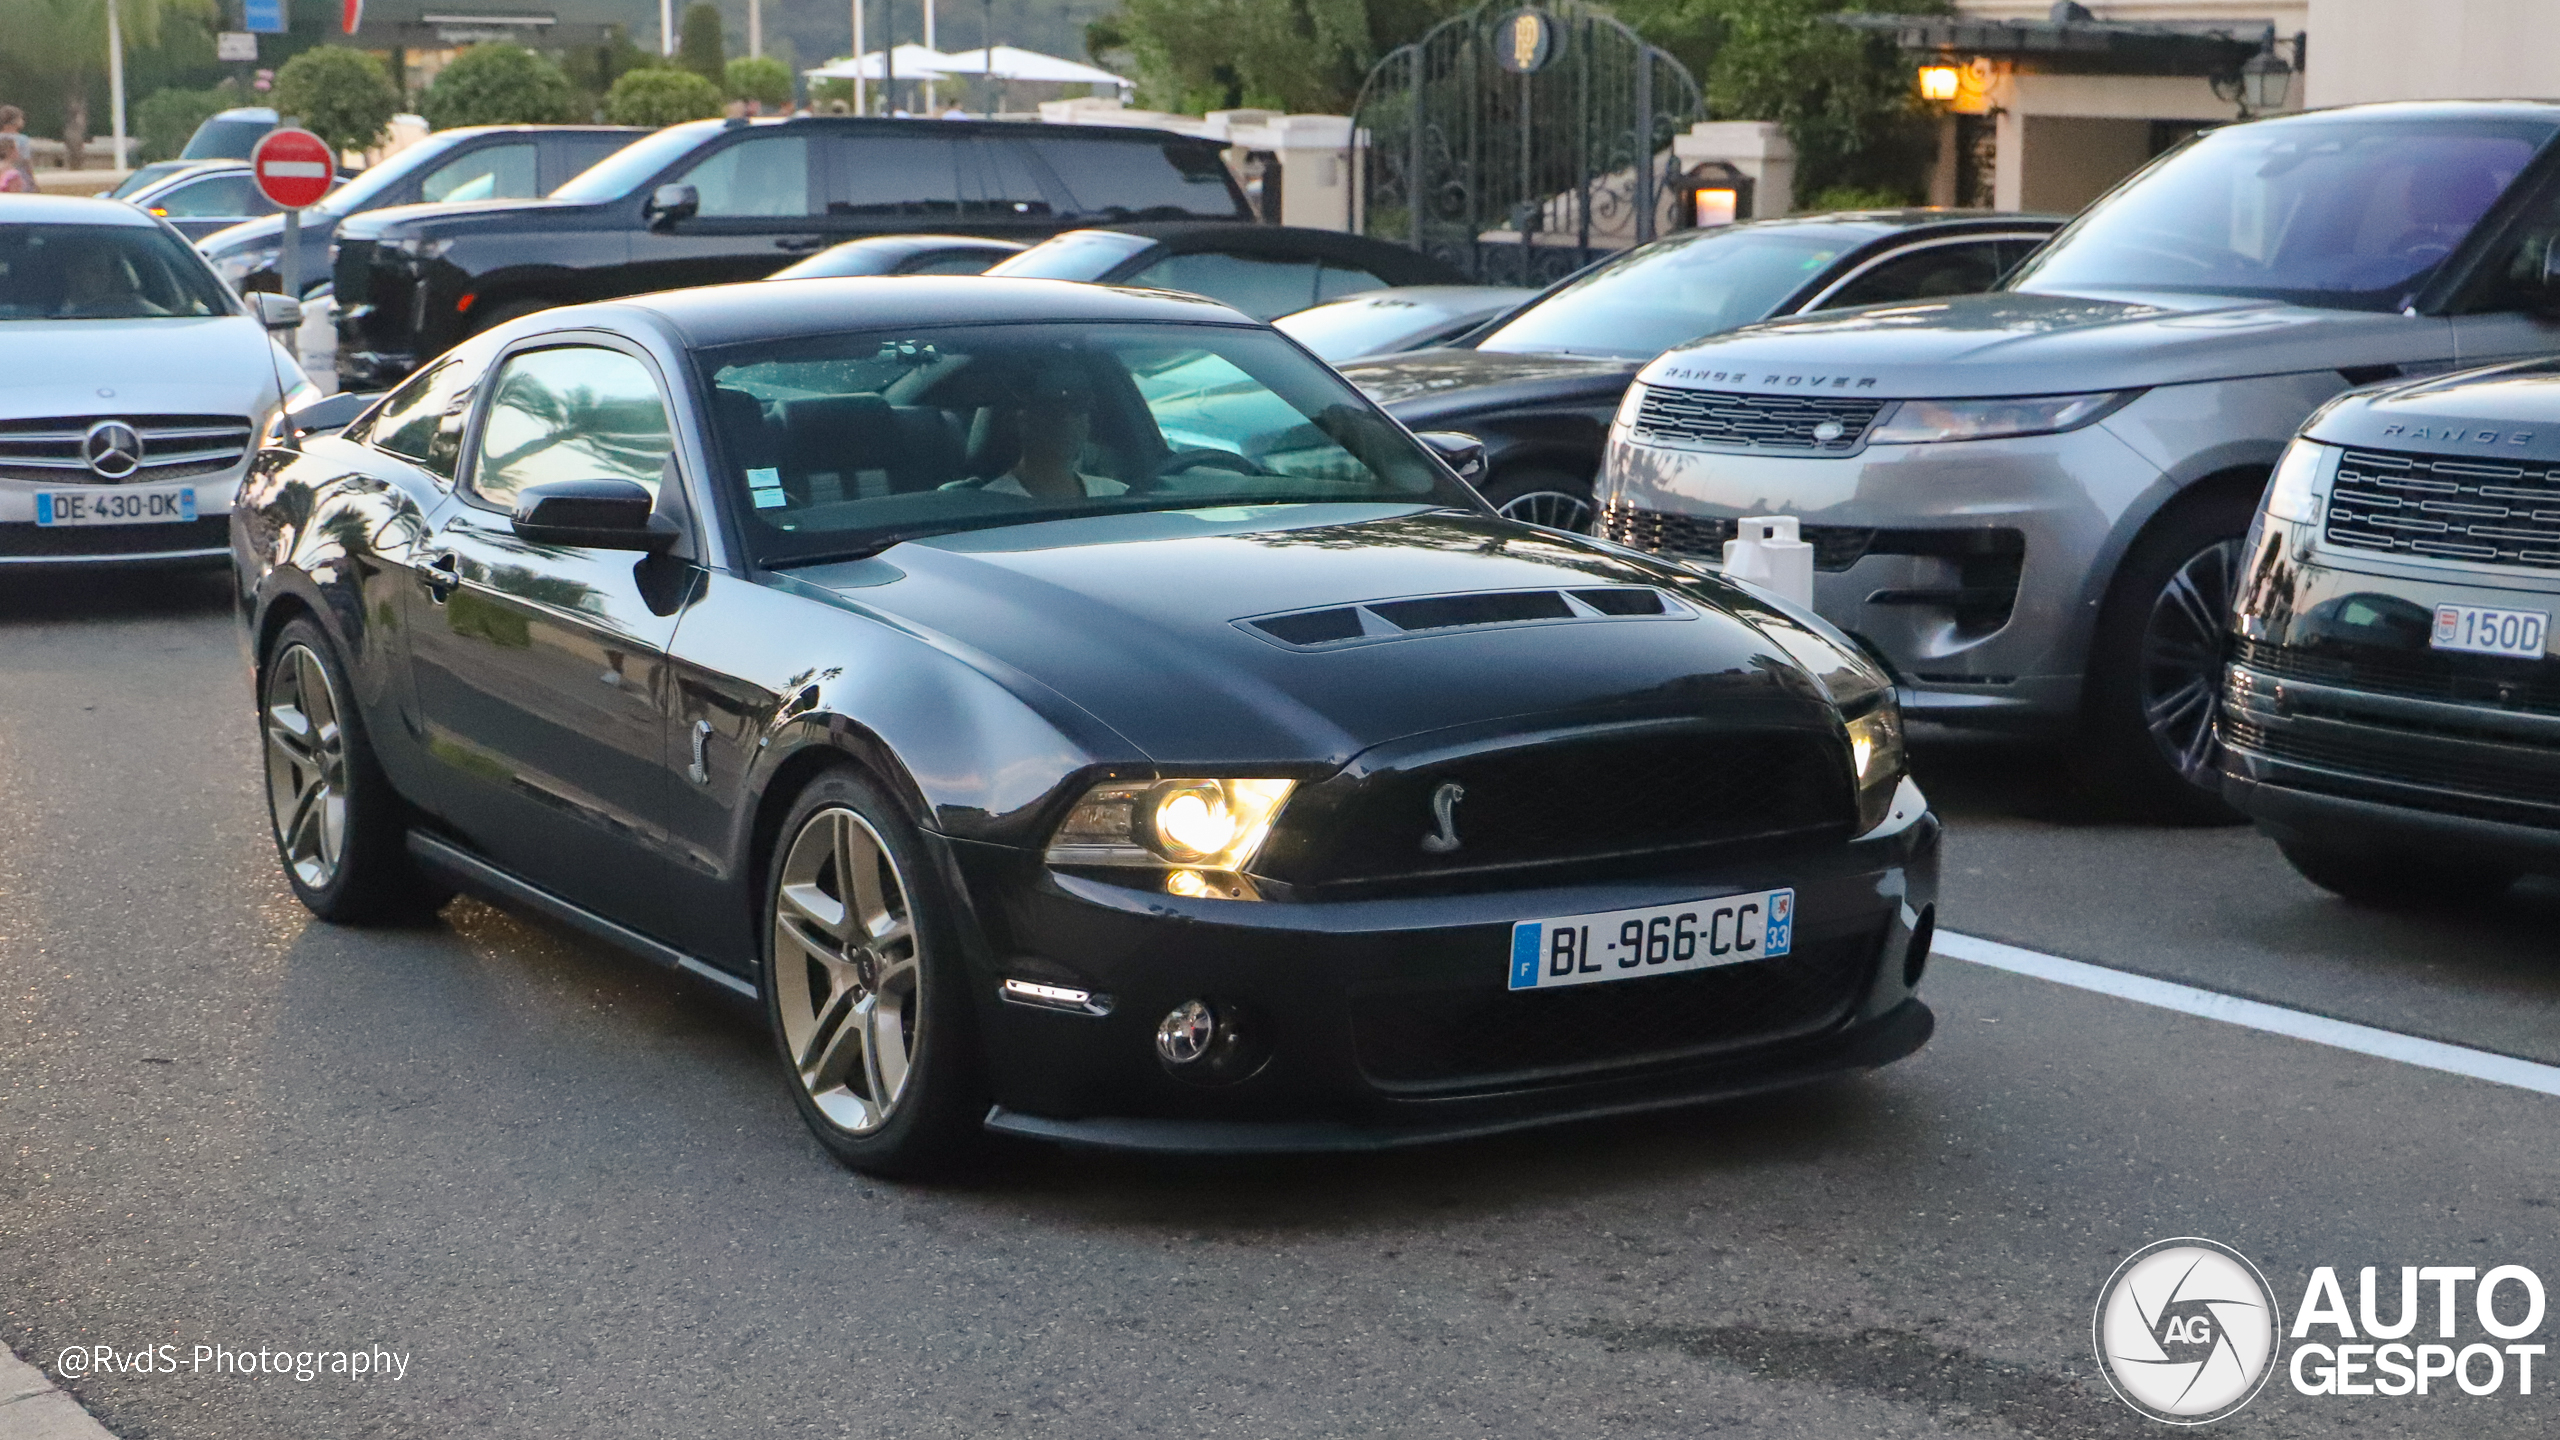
{"type": "Point", "coordinates": [1376, 620]}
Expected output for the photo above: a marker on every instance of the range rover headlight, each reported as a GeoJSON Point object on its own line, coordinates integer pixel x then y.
{"type": "Point", "coordinates": [1875, 758]}
{"type": "Point", "coordinates": [1915, 422]}
{"type": "Point", "coordinates": [2294, 493]}
{"type": "Point", "coordinates": [1193, 824]}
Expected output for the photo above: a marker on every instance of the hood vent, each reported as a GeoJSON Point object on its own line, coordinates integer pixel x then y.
{"type": "Point", "coordinates": [1375, 620]}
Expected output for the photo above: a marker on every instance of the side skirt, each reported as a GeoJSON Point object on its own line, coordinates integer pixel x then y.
{"type": "Point", "coordinates": [491, 883]}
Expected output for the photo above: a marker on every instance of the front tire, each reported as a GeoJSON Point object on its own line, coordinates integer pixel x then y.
{"type": "Point", "coordinates": [2155, 668]}
{"type": "Point", "coordinates": [1538, 495]}
{"type": "Point", "coordinates": [867, 995]}
{"type": "Point", "coordinates": [2393, 880]}
{"type": "Point", "coordinates": [339, 828]}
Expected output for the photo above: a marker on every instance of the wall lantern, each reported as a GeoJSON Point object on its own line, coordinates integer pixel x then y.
{"type": "Point", "coordinates": [1938, 82]}
{"type": "Point", "coordinates": [1710, 194]}
{"type": "Point", "coordinates": [2265, 81]}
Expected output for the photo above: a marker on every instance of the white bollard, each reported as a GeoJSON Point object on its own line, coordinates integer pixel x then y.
{"type": "Point", "coordinates": [1767, 553]}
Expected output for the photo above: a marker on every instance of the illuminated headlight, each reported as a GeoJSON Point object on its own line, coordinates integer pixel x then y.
{"type": "Point", "coordinates": [1875, 759]}
{"type": "Point", "coordinates": [2294, 493]}
{"type": "Point", "coordinates": [1914, 422]}
{"type": "Point", "coordinates": [1194, 824]}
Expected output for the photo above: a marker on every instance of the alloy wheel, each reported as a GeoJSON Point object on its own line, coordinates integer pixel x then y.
{"type": "Point", "coordinates": [1555, 509]}
{"type": "Point", "coordinates": [2182, 661]}
{"type": "Point", "coordinates": [306, 767]}
{"type": "Point", "coordinates": [847, 970]}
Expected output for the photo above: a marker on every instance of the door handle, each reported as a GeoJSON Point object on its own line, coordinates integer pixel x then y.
{"type": "Point", "coordinates": [800, 244]}
{"type": "Point", "coordinates": [442, 575]}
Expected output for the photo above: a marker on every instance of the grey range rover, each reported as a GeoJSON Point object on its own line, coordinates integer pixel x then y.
{"type": "Point", "coordinates": [2030, 503]}
{"type": "Point", "coordinates": [2391, 710]}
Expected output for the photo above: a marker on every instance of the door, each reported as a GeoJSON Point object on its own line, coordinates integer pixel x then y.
{"type": "Point", "coordinates": [540, 669]}
{"type": "Point", "coordinates": [761, 210]}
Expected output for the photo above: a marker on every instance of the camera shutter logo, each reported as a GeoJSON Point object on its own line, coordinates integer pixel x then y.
{"type": "Point", "coordinates": [2187, 1331]}
{"type": "Point", "coordinates": [112, 449]}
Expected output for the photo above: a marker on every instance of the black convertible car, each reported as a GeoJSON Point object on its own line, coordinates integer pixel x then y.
{"type": "Point", "coordinates": [1074, 713]}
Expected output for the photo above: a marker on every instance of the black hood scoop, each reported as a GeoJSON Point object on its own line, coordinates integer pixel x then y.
{"type": "Point", "coordinates": [1371, 622]}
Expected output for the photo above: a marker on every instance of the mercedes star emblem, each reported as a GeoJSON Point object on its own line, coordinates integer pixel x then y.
{"type": "Point", "coordinates": [112, 448]}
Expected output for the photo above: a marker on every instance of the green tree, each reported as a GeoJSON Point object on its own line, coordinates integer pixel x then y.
{"type": "Point", "coordinates": [499, 84]}
{"type": "Point", "coordinates": [759, 80]}
{"type": "Point", "coordinates": [698, 44]}
{"type": "Point", "coordinates": [66, 41]}
{"type": "Point", "coordinates": [661, 97]}
{"type": "Point", "coordinates": [340, 95]}
{"type": "Point", "coordinates": [1304, 55]}
{"type": "Point", "coordinates": [166, 119]}
{"type": "Point", "coordinates": [592, 69]}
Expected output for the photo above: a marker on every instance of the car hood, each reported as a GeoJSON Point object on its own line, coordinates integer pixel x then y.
{"type": "Point", "coordinates": [1135, 619]}
{"type": "Point", "coordinates": [218, 365]}
{"type": "Point", "coordinates": [1434, 383]}
{"type": "Point", "coordinates": [2017, 343]}
{"type": "Point", "coordinates": [2509, 413]}
{"type": "Point", "coordinates": [455, 217]}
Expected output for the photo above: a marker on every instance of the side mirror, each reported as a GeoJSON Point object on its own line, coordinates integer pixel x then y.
{"type": "Point", "coordinates": [1462, 452]}
{"type": "Point", "coordinates": [671, 203]}
{"type": "Point", "coordinates": [598, 514]}
{"type": "Point", "coordinates": [276, 312]}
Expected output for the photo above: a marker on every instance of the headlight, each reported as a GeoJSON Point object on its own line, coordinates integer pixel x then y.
{"type": "Point", "coordinates": [2294, 493]}
{"type": "Point", "coordinates": [1916, 421]}
{"type": "Point", "coordinates": [1203, 824]}
{"type": "Point", "coordinates": [1628, 407]}
{"type": "Point", "coordinates": [1875, 759]}
{"type": "Point", "coordinates": [419, 249]}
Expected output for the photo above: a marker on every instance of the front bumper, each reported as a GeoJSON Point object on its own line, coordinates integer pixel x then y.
{"type": "Point", "coordinates": [1388, 1021]}
{"type": "Point", "coordinates": [1965, 567]}
{"type": "Point", "coordinates": [205, 540]}
{"type": "Point", "coordinates": [2342, 727]}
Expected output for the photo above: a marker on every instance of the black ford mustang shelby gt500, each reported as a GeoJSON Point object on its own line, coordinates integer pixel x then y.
{"type": "Point", "coordinates": [1077, 713]}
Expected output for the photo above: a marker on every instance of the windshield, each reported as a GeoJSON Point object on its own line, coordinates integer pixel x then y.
{"type": "Point", "coordinates": [102, 272]}
{"type": "Point", "coordinates": [1674, 290]}
{"type": "Point", "coordinates": [841, 445]}
{"type": "Point", "coordinates": [1387, 321]}
{"type": "Point", "coordinates": [626, 169]}
{"type": "Point", "coordinates": [1076, 255]}
{"type": "Point", "coordinates": [358, 194]}
{"type": "Point", "coordinates": [2343, 214]}
{"type": "Point", "coordinates": [230, 135]}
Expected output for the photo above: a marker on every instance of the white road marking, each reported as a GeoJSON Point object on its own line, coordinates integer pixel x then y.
{"type": "Point", "coordinates": [2256, 1015]}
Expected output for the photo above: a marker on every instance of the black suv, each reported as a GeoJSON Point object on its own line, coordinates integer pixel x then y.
{"type": "Point", "coordinates": [718, 200]}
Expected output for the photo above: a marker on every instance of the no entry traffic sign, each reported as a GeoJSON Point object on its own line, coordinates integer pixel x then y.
{"type": "Point", "coordinates": [293, 168]}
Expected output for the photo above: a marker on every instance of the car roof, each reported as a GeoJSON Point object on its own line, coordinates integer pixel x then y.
{"type": "Point", "coordinates": [727, 314]}
{"type": "Point", "coordinates": [2547, 111]}
{"type": "Point", "coordinates": [909, 244]}
{"type": "Point", "coordinates": [1014, 128]}
{"type": "Point", "coordinates": [71, 210]}
{"type": "Point", "coordinates": [1875, 224]}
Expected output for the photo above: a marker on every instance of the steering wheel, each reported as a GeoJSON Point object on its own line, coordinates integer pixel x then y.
{"type": "Point", "coordinates": [1199, 459]}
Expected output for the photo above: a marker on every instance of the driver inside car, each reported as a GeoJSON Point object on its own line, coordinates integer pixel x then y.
{"type": "Point", "coordinates": [1051, 419]}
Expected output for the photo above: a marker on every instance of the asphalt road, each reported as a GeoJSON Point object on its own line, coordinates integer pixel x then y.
{"type": "Point", "coordinates": [572, 1191]}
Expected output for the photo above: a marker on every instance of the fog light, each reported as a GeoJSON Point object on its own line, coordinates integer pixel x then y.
{"type": "Point", "coordinates": [1915, 960]}
{"type": "Point", "coordinates": [1183, 1036]}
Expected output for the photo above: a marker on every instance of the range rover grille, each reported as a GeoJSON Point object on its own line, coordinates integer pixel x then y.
{"type": "Point", "coordinates": [174, 447]}
{"type": "Point", "coordinates": [1800, 424]}
{"type": "Point", "coordinates": [2447, 507]}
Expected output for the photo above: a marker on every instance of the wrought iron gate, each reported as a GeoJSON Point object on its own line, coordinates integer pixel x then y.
{"type": "Point", "coordinates": [1520, 142]}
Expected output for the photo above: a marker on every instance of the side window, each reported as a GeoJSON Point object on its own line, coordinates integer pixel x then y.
{"type": "Point", "coordinates": [1125, 180]}
{"type": "Point", "coordinates": [215, 195]}
{"type": "Point", "coordinates": [422, 421]}
{"type": "Point", "coordinates": [998, 182]}
{"type": "Point", "coordinates": [1339, 280]}
{"type": "Point", "coordinates": [579, 412]}
{"type": "Point", "coordinates": [1924, 274]}
{"type": "Point", "coordinates": [882, 177]}
{"type": "Point", "coordinates": [577, 152]}
{"type": "Point", "coordinates": [951, 262]}
{"type": "Point", "coordinates": [763, 177]}
{"type": "Point", "coordinates": [1260, 286]}
{"type": "Point", "coordinates": [501, 172]}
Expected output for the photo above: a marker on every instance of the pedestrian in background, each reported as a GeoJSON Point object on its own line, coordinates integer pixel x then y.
{"type": "Point", "coordinates": [13, 181]}
{"type": "Point", "coordinates": [13, 121]}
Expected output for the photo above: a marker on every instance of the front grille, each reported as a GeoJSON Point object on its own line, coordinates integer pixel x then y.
{"type": "Point", "coordinates": [1798, 424]}
{"type": "Point", "coordinates": [2500, 512]}
{"type": "Point", "coordinates": [2502, 780]}
{"type": "Point", "coordinates": [174, 447]}
{"type": "Point", "coordinates": [1570, 801]}
{"type": "Point", "coordinates": [1835, 547]}
{"type": "Point", "coordinates": [1443, 1039]}
{"type": "Point", "coordinates": [104, 541]}
{"type": "Point", "coordinates": [2506, 682]}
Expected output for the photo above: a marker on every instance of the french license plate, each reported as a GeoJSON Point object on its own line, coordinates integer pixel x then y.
{"type": "Point", "coordinates": [1658, 940]}
{"type": "Point", "coordinates": [114, 507]}
{"type": "Point", "coordinates": [2490, 632]}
